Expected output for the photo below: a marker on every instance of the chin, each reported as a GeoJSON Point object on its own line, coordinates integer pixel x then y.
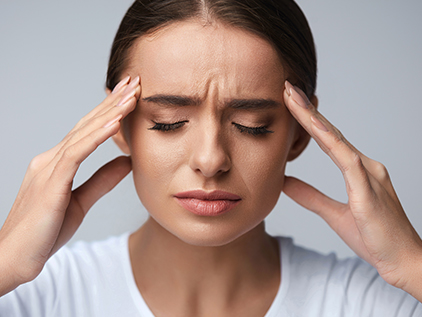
{"type": "Point", "coordinates": [210, 234]}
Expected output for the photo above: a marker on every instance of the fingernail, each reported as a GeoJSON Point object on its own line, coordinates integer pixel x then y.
{"type": "Point", "coordinates": [298, 95]}
{"type": "Point", "coordinates": [319, 124]}
{"type": "Point", "coordinates": [288, 86]}
{"type": "Point", "coordinates": [110, 123]}
{"type": "Point", "coordinates": [129, 92]}
{"type": "Point", "coordinates": [123, 82]}
{"type": "Point", "coordinates": [134, 82]}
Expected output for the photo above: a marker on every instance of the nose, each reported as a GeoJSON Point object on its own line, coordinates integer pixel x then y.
{"type": "Point", "coordinates": [210, 155]}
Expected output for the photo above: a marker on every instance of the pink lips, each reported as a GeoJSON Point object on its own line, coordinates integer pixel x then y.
{"type": "Point", "coordinates": [207, 204]}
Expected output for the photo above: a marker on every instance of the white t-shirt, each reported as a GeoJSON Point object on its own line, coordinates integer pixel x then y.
{"type": "Point", "coordinates": [95, 279]}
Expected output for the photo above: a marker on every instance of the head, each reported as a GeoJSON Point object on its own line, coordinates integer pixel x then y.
{"type": "Point", "coordinates": [211, 114]}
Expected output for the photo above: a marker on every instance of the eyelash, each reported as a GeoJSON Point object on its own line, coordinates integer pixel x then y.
{"type": "Point", "coordinates": [166, 127]}
{"type": "Point", "coordinates": [255, 131]}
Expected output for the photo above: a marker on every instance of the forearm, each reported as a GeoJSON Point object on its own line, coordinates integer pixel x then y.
{"type": "Point", "coordinates": [14, 268]}
{"type": "Point", "coordinates": [8, 278]}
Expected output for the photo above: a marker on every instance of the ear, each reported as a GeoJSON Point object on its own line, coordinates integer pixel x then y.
{"type": "Point", "coordinates": [119, 137]}
{"type": "Point", "coordinates": [301, 138]}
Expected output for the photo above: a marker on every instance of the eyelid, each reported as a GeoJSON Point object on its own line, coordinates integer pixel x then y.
{"type": "Point", "coordinates": [255, 131]}
{"type": "Point", "coordinates": [166, 127]}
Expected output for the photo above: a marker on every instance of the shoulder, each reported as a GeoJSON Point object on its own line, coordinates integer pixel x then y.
{"type": "Point", "coordinates": [91, 252]}
{"type": "Point", "coordinates": [73, 280]}
{"type": "Point", "coordinates": [332, 286]}
{"type": "Point", "coordinates": [87, 258]}
{"type": "Point", "coordinates": [310, 263]}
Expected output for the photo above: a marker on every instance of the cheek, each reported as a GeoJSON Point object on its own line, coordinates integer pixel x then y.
{"type": "Point", "coordinates": [154, 162]}
{"type": "Point", "coordinates": [262, 168]}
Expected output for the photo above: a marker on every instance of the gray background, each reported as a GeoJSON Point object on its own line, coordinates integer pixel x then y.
{"type": "Point", "coordinates": [53, 61]}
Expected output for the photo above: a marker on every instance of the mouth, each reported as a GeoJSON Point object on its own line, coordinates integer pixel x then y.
{"type": "Point", "coordinates": [201, 203]}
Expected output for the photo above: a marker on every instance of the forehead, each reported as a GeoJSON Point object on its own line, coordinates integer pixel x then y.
{"type": "Point", "coordinates": [191, 58]}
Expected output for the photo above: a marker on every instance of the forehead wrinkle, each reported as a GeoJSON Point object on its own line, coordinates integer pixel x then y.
{"type": "Point", "coordinates": [213, 67]}
{"type": "Point", "coordinates": [240, 104]}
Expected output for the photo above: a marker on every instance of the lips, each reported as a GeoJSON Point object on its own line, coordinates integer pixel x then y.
{"type": "Point", "coordinates": [207, 204]}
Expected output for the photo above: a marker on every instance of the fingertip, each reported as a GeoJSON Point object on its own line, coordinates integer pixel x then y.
{"type": "Point", "coordinates": [288, 88]}
{"type": "Point", "coordinates": [120, 85]}
{"type": "Point", "coordinates": [126, 161]}
{"type": "Point", "coordinates": [125, 166]}
{"type": "Point", "coordinates": [290, 182]}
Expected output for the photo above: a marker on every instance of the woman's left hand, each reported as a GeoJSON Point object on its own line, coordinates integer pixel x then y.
{"type": "Point", "coordinates": [373, 222]}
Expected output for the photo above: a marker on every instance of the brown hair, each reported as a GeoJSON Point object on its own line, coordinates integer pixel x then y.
{"type": "Point", "coordinates": [280, 22]}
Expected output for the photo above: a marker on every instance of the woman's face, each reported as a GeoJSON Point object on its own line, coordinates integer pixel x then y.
{"type": "Point", "coordinates": [211, 118]}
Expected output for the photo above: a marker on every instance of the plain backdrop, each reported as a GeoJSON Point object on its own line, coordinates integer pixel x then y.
{"type": "Point", "coordinates": [53, 60]}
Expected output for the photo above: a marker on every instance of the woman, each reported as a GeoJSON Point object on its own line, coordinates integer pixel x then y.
{"type": "Point", "coordinates": [203, 96]}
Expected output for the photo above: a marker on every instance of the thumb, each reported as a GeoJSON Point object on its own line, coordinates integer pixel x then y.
{"type": "Point", "coordinates": [103, 181]}
{"type": "Point", "coordinates": [313, 200]}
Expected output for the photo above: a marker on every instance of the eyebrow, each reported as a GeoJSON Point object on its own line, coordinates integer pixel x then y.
{"type": "Point", "coordinates": [173, 100]}
{"type": "Point", "coordinates": [252, 104]}
{"type": "Point", "coordinates": [182, 101]}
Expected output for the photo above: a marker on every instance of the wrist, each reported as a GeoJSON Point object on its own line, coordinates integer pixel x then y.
{"type": "Point", "coordinates": [410, 279]}
{"type": "Point", "coordinates": [412, 275]}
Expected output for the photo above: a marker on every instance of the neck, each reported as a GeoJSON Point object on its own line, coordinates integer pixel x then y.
{"type": "Point", "coordinates": [165, 265]}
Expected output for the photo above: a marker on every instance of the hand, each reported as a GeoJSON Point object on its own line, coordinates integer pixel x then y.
{"type": "Point", "coordinates": [46, 212]}
{"type": "Point", "coordinates": [373, 222]}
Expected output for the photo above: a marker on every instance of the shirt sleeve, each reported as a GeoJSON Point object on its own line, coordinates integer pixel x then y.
{"type": "Point", "coordinates": [323, 285]}
{"type": "Point", "coordinates": [369, 295]}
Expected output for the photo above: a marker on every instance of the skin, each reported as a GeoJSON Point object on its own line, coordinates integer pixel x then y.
{"type": "Point", "coordinates": [211, 265]}
{"type": "Point", "coordinates": [229, 259]}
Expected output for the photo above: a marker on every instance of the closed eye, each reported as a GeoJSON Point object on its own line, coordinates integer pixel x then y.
{"type": "Point", "coordinates": [255, 131]}
{"type": "Point", "coordinates": [166, 127]}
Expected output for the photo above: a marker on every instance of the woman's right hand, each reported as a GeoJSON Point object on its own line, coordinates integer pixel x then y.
{"type": "Point", "coordinates": [46, 212]}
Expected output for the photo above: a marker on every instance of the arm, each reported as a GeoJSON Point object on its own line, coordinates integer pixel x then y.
{"type": "Point", "coordinates": [46, 212]}
{"type": "Point", "coordinates": [373, 222]}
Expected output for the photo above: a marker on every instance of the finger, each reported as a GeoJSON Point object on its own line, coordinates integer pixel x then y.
{"type": "Point", "coordinates": [41, 161]}
{"type": "Point", "coordinates": [103, 181]}
{"type": "Point", "coordinates": [126, 103]}
{"type": "Point", "coordinates": [331, 142]}
{"type": "Point", "coordinates": [334, 213]}
{"type": "Point", "coordinates": [312, 199]}
{"type": "Point", "coordinates": [64, 167]}
{"type": "Point", "coordinates": [120, 96]}
{"type": "Point", "coordinates": [108, 102]}
{"type": "Point", "coordinates": [376, 169]}
{"type": "Point", "coordinates": [84, 197]}
{"type": "Point", "coordinates": [121, 110]}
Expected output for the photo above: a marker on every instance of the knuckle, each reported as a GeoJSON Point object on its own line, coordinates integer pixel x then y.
{"type": "Point", "coordinates": [380, 171]}
{"type": "Point", "coordinates": [36, 163]}
{"type": "Point", "coordinates": [95, 138]}
{"type": "Point", "coordinates": [355, 162]}
{"type": "Point", "coordinates": [338, 139]}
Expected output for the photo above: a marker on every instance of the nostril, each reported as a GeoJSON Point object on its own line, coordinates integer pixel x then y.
{"type": "Point", "coordinates": [210, 163]}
